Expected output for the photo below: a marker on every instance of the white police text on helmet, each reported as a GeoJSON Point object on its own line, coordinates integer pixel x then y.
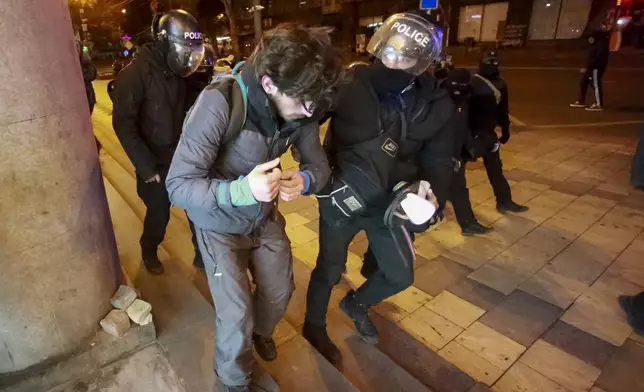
{"type": "Point", "coordinates": [192, 35]}
{"type": "Point", "coordinates": [420, 37]}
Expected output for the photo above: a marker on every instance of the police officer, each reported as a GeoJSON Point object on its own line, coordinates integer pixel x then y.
{"type": "Point", "coordinates": [389, 138]}
{"type": "Point", "coordinates": [488, 109]}
{"type": "Point", "coordinates": [457, 83]}
{"type": "Point", "coordinates": [149, 108]}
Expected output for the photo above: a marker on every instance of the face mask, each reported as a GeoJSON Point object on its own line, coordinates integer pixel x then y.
{"type": "Point", "coordinates": [488, 70]}
{"type": "Point", "coordinates": [390, 80]}
{"type": "Point", "coordinates": [441, 73]}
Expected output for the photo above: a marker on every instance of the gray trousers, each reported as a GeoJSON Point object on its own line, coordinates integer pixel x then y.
{"type": "Point", "coordinates": [240, 311]}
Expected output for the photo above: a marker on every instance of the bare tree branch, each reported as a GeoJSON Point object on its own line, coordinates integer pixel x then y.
{"type": "Point", "coordinates": [234, 40]}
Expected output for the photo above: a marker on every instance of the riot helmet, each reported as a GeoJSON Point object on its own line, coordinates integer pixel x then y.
{"type": "Point", "coordinates": [180, 38]}
{"type": "Point", "coordinates": [407, 42]}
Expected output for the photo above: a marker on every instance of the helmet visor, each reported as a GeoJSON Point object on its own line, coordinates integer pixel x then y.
{"type": "Point", "coordinates": [406, 42]}
{"type": "Point", "coordinates": [184, 59]}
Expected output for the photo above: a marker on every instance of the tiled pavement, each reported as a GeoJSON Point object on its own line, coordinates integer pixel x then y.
{"type": "Point", "coordinates": [530, 307]}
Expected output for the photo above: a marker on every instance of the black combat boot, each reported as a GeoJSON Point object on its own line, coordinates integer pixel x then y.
{"type": "Point", "coordinates": [474, 228]}
{"type": "Point", "coordinates": [511, 206]}
{"type": "Point", "coordinates": [360, 316]}
{"type": "Point", "coordinates": [151, 260]}
{"type": "Point", "coordinates": [319, 339]}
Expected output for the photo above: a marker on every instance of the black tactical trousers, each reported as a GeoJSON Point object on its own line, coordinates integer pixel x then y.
{"type": "Point", "coordinates": [392, 248]}
{"type": "Point", "coordinates": [157, 215]}
{"type": "Point", "coordinates": [460, 194]}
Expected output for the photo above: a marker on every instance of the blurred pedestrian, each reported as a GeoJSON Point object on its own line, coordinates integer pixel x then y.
{"type": "Point", "coordinates": [595, 68]}
{"type": "Point", "coordinates": [89, 75]}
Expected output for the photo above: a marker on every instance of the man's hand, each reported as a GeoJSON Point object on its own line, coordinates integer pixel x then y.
{"type": "Point", "coordinates": [425, 191]}
{"type": "Point", "coordinates": [264, 180]}
{"type": "Point", "coordinates": [291, 185]}
{"type": "Point", "coordinates": [156, 178]}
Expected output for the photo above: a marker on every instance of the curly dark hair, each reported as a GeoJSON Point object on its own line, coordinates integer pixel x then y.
{"type": "Point", "coordinates": [301, 61]}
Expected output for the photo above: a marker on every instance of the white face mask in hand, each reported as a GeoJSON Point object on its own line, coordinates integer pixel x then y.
{"type": "Point", "coordinates": [418, 209]}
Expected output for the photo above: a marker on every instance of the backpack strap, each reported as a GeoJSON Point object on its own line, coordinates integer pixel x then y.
{"type": "Point", "coordinates": [238, 102]}
{"type": "Point", "coordinates": [497, 93]}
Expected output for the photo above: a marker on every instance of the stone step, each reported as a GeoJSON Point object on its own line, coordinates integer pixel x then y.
{"type": "Point", "coordinates": [414, 355]}
{"type": "Point", "coordinates": [367, 367]}
{"type": "Point", "coordinates": [183, 318]}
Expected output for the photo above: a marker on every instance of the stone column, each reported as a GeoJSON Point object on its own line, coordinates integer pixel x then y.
{"type": "Point", "coordinates": [58, 258]}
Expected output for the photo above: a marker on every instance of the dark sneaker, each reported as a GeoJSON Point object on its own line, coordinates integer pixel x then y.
{"type": "Point", "coordinates": [626, 303]}
{"type": "Point", "coordinates": [152, 262]}
{"type": "Point", "coordinates": [265, 347]}
{"type": "Point", "coordinates": [511, 207]}
{"type": "Point", "coordinates": [198, 263]}
{"type": "Point", "coordinates": [360, 316]}
{"type": "Point", "coordinates": [230, 388]}
{"type": "Point", "coordinates": [594, 108]}
{"type": "Point", "coordinates": [319, 339]}
{"type": "Point", "coordinates": [474, 228]}
{"type": "Point", "coordinates": [577, 104]}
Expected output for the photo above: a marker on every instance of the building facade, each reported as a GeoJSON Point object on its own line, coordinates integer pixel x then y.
{"type": "Point", "coordinates": [524, 20]}
{"type": "Point", "coordinates": [509, 22]}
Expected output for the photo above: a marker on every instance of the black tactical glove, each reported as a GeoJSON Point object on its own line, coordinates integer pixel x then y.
{"type": "Point", "coordinates": [505, 135]}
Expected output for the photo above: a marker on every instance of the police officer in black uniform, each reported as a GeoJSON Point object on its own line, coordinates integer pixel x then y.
{"type": "Point", "coordinates": [488, 108]}
{"type": "Point", "coordinates": [457, 83]}
{"type": "Point", "coordinates": [389, 131]}
{"type": "Point", "coordinates": [149, 107]}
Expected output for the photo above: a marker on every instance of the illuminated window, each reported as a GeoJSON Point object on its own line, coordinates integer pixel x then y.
{"type": "Point", "coordinates": [544, 19]}
{"type": "Point", "coordinates": [481, 22]}
{"type": "Point", "coordinates": [469, 24]}
{"type": "Point", "coordinates": [573, 19]}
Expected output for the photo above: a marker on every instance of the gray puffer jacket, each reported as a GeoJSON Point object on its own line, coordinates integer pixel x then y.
{"type": "Point", "coordinates": [206, 173]}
